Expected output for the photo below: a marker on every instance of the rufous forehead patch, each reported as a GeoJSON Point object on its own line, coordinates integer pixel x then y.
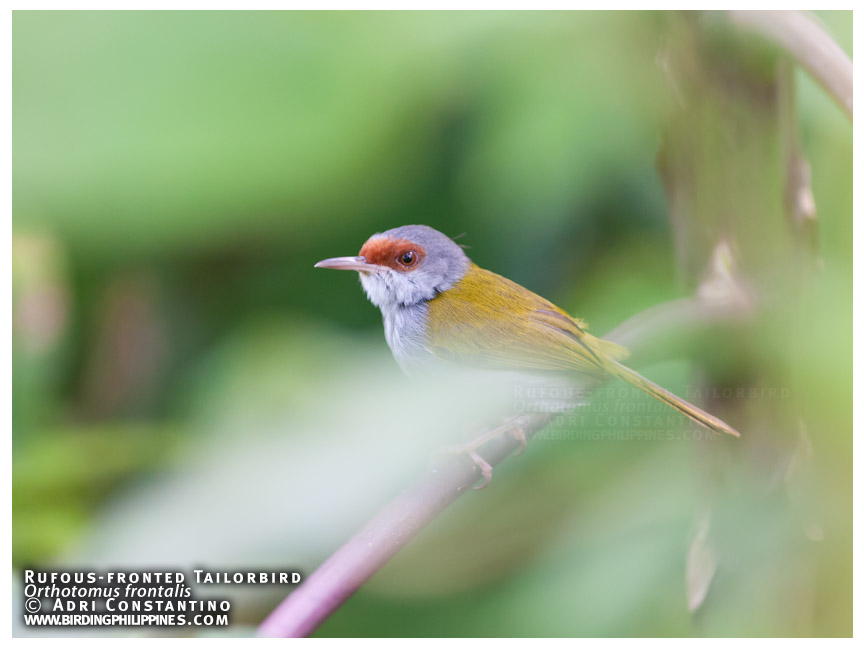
{"type": "Point", "coordinates": [389, 252]}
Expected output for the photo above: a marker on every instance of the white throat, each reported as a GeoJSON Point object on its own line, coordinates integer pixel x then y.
{"type": "Point", "coordinates": [404, 317]}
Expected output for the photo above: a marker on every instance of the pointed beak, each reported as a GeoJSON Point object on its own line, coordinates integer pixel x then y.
{"type": "Point", "coordinates": [347, 263]}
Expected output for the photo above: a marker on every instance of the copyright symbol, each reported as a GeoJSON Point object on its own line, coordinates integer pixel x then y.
{"type": "Point", "coordinates": [32, 605]}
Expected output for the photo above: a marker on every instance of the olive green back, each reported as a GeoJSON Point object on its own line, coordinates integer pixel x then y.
{"type": "Point", "coordinates": [488, 321]}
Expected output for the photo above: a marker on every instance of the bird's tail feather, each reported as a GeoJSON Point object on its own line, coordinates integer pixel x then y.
{"type": "Point", "coordinates": [688, 409]}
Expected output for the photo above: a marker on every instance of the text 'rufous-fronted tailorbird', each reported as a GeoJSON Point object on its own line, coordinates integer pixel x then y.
{"type": "Point", "coordinates": [438, 306]}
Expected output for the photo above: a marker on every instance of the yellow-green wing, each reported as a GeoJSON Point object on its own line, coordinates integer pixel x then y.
{"type": "Point", "coordinates": [486, 320]}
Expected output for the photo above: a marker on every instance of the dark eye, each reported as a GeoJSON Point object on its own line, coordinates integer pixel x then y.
{"type": "Point", "coordinates": [409, 258]}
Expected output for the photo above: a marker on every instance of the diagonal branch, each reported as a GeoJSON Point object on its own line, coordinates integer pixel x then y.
{"type": "Point", "coordinates": [799, 35]}
{"type": "Point", "coordinates": [375, 544]}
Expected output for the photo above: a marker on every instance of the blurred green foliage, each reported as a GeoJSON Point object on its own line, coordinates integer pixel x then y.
{"type": "Point", "coordinates": [177, 174]}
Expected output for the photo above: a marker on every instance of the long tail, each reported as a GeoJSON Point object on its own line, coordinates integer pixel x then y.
{"type": "Point", "coordinates": [688, 409]}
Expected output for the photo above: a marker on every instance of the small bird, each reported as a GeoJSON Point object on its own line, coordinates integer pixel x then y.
{"type": "Point", "coordinates": [438, 306]}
